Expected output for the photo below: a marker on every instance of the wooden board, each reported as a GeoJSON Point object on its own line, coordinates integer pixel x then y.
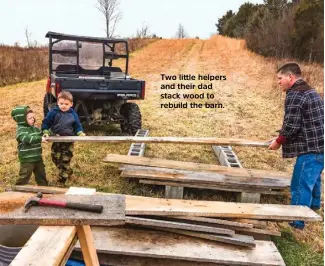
{"type": "Point", "coordinates": [86, 241]}
{"type": "Point", "coordinates": [170, 207]}
{"type": "Point", "coordinates": [214, 221]}
{"type": "Point", "coordinates": [257, 231]}
{"type": "Point", "coordinates": [177, 225]}
{"type": "Point", "coordinates": [238, 229]}
{"type": "Point", "coordinates": [255, 223]}
{"type": "Point", "coordinates": [207, 178]}
{"type": "Point", "coordinates": [52, 243]}
{"type": "Point", "coordinates": [211, 187]}
{"type": "Point", "coordinates": [135, 160]}
{"type": "Point", "coordinates": [113, 213]}
{"type": "Point", "coordinates": [43, 189]}
{"type": "Point", "coordinates": [123, 260]}
{"type": "Point", "coordinates": [175, 140]}
{"type": "Point", "coordinates": [238, 240]}
{"type": "Point", "coordinates": [163, 245]}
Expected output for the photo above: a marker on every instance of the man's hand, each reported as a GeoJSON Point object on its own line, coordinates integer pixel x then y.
{"type": "Point", "coordinates": [44, 139]}
{"type": "Point", "coordinates": [274, 145]}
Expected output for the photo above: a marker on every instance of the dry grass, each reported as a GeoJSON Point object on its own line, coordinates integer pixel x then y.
{"type": "Point", "coordinates": [18, 64]}
{"type": "Point", "coordinates": [253, 110]}
{"type": "Point", "coordinates": [22, 64]}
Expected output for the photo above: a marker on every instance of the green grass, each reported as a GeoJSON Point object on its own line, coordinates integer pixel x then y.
{"type": "Point", "coordinates": [295, 253]}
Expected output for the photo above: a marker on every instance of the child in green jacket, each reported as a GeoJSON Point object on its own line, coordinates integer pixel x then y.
{"type": "Point", "coordinates": [29, 140]}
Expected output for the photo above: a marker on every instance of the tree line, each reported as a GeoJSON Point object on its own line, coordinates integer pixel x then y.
{"type": "Point", "coordinates": [279, 28]}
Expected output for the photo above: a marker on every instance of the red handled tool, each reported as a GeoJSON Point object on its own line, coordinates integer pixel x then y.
{"type": "Point", "coordinates": [39, 201]}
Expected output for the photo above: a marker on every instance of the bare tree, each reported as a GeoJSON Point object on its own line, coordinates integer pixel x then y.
{"type": "Point", "coordinates": [110, 10]}
{"type": "Point", "coordinates": [143, 32]}
{"type": "Point", "coordinates": [28, 36]}
{"type": "Point", "coordinates": [181, 34]}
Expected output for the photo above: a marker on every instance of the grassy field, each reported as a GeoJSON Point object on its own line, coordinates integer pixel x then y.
{"type": "Point", "coordinates": [253, 109]}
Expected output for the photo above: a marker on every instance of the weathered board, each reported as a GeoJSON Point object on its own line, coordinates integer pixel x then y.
{"type": "Point", "coordinates": [43, 189]}
{"type": "Point", "coordinates": [214, 221]}
{"type": "Point", "coordinates": [123, 260]}
{"type": "Point", "coordinates": [174, 140]}
{"type": "Point", "coordinates": [252, 231]}
{"type": "Point", "coordinates": [113, 212]}
{"type": "Point", "coordinates": [155, 206]}
{"type": "Point", "coordinates": [154, 162]}
{"type": "Point", "coordinates": [49, 240]}
{"type": "Point", "coordinates": [177, 225]}
{"type": "Point", "coordinates": [239, 240]}
{"type": "Point", "coordinates": [208, 178]}
{"type": "Point", "coordinates": [212, 187]}
{"type": "Point", "coordinates": [155, 244]}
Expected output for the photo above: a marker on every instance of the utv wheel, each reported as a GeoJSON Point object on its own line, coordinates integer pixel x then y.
{"type": "Point", "coordinates": [48, 103]}
{"type": "Point", "coordinates": [132, 118]}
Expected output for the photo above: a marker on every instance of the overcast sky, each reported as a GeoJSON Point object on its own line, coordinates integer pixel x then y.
{"type": "Point", "coordinates": [81, 17]}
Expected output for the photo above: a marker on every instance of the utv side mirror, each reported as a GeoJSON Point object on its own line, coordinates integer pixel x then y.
{"type": "Point", "coordinates": [80, 45]}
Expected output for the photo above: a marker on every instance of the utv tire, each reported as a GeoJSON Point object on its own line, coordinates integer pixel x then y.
{"type": "Point", "coordinates": [48, 103]}
{"type": "Point", "coordinates": [132, 118]}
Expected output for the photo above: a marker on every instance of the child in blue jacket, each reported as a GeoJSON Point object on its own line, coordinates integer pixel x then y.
{"type": "Point", "coordinates": [63, 121]}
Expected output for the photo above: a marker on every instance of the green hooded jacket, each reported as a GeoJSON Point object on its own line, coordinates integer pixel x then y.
{"type": "Point", "coordinates": [29, 137]}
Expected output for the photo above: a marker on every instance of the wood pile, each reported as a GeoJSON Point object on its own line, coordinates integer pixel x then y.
{"type": "Point", "coordinates": [177, 232]}
{"type": "Point", "coordinates": [197, 175]}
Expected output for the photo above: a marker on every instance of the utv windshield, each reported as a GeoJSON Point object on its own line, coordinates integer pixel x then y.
{"type": "Point", "coordinates": [71, 54]}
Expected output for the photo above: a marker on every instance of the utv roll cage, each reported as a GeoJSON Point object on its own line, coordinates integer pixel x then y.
{"type": "Point", "coordinates": [55, 37]}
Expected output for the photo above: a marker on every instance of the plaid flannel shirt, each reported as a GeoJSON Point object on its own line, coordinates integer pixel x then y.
{"type": "Point", "coordinates": [303, 124]}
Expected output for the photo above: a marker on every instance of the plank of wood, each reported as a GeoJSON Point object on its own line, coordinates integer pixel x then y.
{"type": "Point", "coordinates": [212, 187]}
{"type": "Point", "coordinates": [163, 245]}
{"type": "Point", "coordinates": [252, 231]}
{"type": "Point", "coordinates": [239, 240]}
{"type": "Point", "coordinates": [136, 205]}
{"type": "Point", "coordinates": [218, 188]}
{"type": "Point", "coordinates": [124, 260]}
{"type": "Point", "coordinates": [255, 223]}
{"type": "Point", "coordinates": [47, 246]}
{"type": "Point", "coordinates": [35, 189]}
{"type": "Point", "coordinates": [207, 178]}
{"type": "Point", "coordinates": [43, 189]}
{"type": "Point", "coordinates": [113, 212]}
{"type": "Point", "coordinates": [88, 249]}
{"type": "Point", "coordinates": [177, 225]}
{"type": "Point", "coordinates": [135, 160]}
{"type": "Point", "coordinates": [214, 221]}
{"type": "Point", "coordinates": [69, 250]}
{"type": "Point", "coordinates": [175, 140]}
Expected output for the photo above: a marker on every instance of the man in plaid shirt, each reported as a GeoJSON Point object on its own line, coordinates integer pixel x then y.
{"type": "Point", "coordinates": [302, 136]}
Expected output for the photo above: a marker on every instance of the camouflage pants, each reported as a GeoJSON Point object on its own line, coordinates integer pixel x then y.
{"type": "Point", "coordinates": [26, 171]}
{"type": "Point", "coordinates": [62, 153]}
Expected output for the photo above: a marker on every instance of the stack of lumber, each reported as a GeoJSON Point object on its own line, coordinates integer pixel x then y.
{"type": "Point", "coordinates": [188, 174]}
{"type": "Point", "coordinates": [177, 232]}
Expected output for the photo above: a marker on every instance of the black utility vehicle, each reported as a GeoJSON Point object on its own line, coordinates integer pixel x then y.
{"type": "Point", "coordinates": [84, 66]}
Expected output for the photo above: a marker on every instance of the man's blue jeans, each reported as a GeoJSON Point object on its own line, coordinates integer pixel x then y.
{"type": "Point", "coordinates": [306, 182]}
